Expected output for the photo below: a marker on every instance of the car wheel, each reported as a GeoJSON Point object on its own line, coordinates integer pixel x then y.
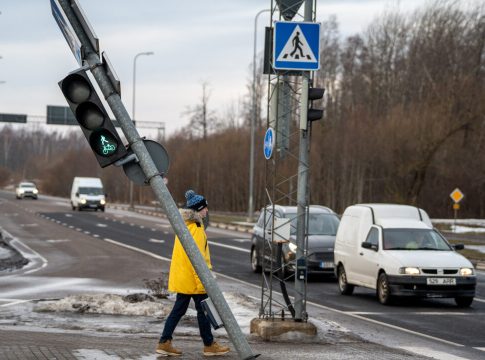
{"type": "Point", "coordinates": [255, 261]}
{"type": "Point", "coordinates": [463, 301]}
{"type": "Point", "coordinates": [102, 209]}
{"type": "Point", "coordinates": [383, 290]}
{"type": "Point", "coordinates": [344, 287]}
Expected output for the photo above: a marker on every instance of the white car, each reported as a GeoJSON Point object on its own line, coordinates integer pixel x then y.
{"type": "Point", "coordinates": [26, 189]}
{"type": "Point", "coordinates": [395, 250]}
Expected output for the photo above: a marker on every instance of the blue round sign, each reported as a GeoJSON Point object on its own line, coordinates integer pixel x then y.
{"type": "Point", "coordinates": [269, 138]}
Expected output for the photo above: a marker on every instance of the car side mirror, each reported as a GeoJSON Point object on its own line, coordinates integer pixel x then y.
{"type": "Point", "coordinates": [459, 246]}
{"type": "Point", "coordinates": [77, 194]}
{"type": "Point", "coordinates": [368, 245]}
{"type": "Point", "coordinates": [106, 195]}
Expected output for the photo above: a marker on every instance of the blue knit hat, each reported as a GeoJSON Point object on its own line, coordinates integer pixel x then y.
{"type": "Point", "coordinates": [194, 201]}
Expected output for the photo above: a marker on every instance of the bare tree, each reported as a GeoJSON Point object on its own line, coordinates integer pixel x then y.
{"type": "Point", "coordinates": [202, 119]}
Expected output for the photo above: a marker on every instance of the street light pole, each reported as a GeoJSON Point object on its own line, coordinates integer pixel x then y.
{"type": "Point", "coordinates": [253, 120]}
{"type": "Point", "coordinates": [132, 206]}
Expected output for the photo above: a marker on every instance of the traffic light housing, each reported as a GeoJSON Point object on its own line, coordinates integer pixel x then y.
{"type": "Point", "coordinates": [314, 94]}
{"type": "Point", "coordinates": [92, 117]}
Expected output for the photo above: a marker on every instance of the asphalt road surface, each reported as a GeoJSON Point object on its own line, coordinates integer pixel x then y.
{"type": "Point", "coordinates": [434, 319]}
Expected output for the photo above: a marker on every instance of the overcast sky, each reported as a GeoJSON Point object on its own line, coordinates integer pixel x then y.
{"type": "Point", "coordinates": [193, 41]}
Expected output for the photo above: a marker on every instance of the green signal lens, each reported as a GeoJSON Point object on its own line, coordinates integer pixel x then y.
{"type": "Point", "coordinates": [103, 143]}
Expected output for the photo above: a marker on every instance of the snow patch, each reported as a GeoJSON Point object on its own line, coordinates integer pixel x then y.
{"type": "Point", "coordinates": [109, 304]}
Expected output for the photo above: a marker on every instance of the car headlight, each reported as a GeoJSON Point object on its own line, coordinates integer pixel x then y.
{"type": "Point", "coordinates": [409, 271]}
{"type": "Point", "coordinates": [466, 271]}
{"type": "Point", "coordinates": [21, 191]}
{"type": "Point", "coordinates": [102, 201]}
{"type": "Point", "coordinates": [35, 191]}
{"type": "Point", "coordinates": [83, 201]}
{"type": "Point", "coordinates": [292, 247]}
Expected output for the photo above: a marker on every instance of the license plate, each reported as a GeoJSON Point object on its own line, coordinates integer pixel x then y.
{"type": "Point", "coordinates": [326, 264]}
{"type": "Point", "coordinates": [440, 281]}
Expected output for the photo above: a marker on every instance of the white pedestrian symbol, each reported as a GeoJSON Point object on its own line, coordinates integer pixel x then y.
{"type": "Point", "coordinates": [296, 48]}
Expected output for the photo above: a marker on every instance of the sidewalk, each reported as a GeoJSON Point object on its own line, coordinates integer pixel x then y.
{"type": "Point", "coordinates": [37, 344]}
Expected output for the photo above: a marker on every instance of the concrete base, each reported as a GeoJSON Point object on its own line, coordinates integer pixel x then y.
{"type": "Point", "coordinates": [270, 329]}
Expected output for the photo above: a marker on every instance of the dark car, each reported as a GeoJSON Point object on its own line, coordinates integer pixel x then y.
{"type": "Point", "coordinates": [322, 229]}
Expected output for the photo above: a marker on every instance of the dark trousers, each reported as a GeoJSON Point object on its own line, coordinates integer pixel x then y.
{"type": "Point", "coordinates": [179, 309]}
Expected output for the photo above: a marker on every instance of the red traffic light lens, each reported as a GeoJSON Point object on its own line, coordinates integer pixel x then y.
{"type": "Point", "coordinates": [90, 116]}
{"type": "Point", "coordinates": [103, 143]}
{"type": "Point", "coordinates": [76, 89]}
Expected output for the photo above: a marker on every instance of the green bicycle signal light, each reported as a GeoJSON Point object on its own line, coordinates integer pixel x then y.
{"type": "Point", "coordinates": [92, 118]}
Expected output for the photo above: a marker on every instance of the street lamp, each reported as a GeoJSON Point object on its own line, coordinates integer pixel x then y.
{"type": "Point", "coordinates": [253, 120]}
{"type": "Point", "coordinates": [132, 206]}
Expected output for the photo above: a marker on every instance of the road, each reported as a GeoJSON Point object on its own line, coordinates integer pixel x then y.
{"type": "Point", "coordinates": [438, 320]}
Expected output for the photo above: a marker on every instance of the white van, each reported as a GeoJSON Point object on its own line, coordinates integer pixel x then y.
{"type": "Point", "coordinates": [395, 250]}
{"type": "Point", "coordinates": [87, 193]}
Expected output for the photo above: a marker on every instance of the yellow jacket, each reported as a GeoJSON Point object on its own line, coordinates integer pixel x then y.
{"type": "Point", "coordinates": [183, 278]}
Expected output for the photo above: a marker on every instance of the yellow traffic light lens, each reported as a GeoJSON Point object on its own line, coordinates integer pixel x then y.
{"type": "Point", "coordinates": [76, 89]}
{"type": "Point", "coordinates": [103, 143]}
{"type": "Point", "coordinates": [89, 116]}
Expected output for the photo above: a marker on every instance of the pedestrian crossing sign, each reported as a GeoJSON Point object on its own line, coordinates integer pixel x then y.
{"type": "Point", "coordinates": [296, 46]}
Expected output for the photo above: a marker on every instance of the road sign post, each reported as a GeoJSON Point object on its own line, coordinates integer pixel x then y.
{"type": "Point", "coordinates": [457, 196]}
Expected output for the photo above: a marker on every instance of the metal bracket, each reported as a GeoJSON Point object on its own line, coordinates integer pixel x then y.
{"type": "Point", "coordinates": [127, 159]}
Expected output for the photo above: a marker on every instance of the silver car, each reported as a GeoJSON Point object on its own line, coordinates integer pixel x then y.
{"type": "Point", "coordinates": [322, 229]}
{"type": "Point", "coordinates": [26, 189]}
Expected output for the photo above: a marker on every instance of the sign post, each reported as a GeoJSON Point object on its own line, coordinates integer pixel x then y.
{"type": "Point", "coordinates": [457, 196]}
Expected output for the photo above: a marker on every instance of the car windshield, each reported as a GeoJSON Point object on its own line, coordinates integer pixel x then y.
{"type": "Point", "coordinates": [414, 239]}
{"type": "Point", "coordinates": [90, 191]}
{"type": "Point", "coordinates": [27, 185]}
{"type": "Point", "coordinates": [318, 223]}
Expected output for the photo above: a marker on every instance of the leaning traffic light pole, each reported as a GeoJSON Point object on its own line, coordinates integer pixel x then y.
{"type": "Point", "coordinates": [94, 128]}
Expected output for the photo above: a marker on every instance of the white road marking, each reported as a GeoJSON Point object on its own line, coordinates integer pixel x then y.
{"type": "Point", "coordinates": [229, 247]}
{"type": "Point", "coordinates": [14, 303]}
{"type": "Point", "coordinates": [137, 250]}
{"type": "Point", "coordinates": [28, 253]}
{"type": "Point", "coordinates": [142, 227]}
{"type": "Point", "coordinates": [409, 313]}
{"type": "Point", "coordinates": [68, 215]}
{"type": "Point", "coordinates": [480, 348]}
{"type": "Point", "coordinates": [156, 241]}
{"type": "Point", "coordinates": [431, 353]}
{"type": "Point", "coordinates": [101, 225]}
{"type": "Point", "coordinates": [28, 225]}
{"type": "Point", "coordinates": [240, 240]}
{"type": "Point", "coordinates": [71, 227]}
{"type": "Point", "coordinates": [479, 300]}
{"type": "Point", "coordinates": [154, 230]}
{"type": "Point", "coordinates": [87, 232]}
{"type": "Point", "coordinates": [57, 241]}
{"type": "Point", "coordinates": [131, 224]}
{"type": "Point", "coordinates": [79, 229]}
{"type": "Point", "coordinates": [96, 235]}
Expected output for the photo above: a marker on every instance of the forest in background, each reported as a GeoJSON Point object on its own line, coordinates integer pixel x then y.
{"type": "Point", "coordinates": [404, 123]}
